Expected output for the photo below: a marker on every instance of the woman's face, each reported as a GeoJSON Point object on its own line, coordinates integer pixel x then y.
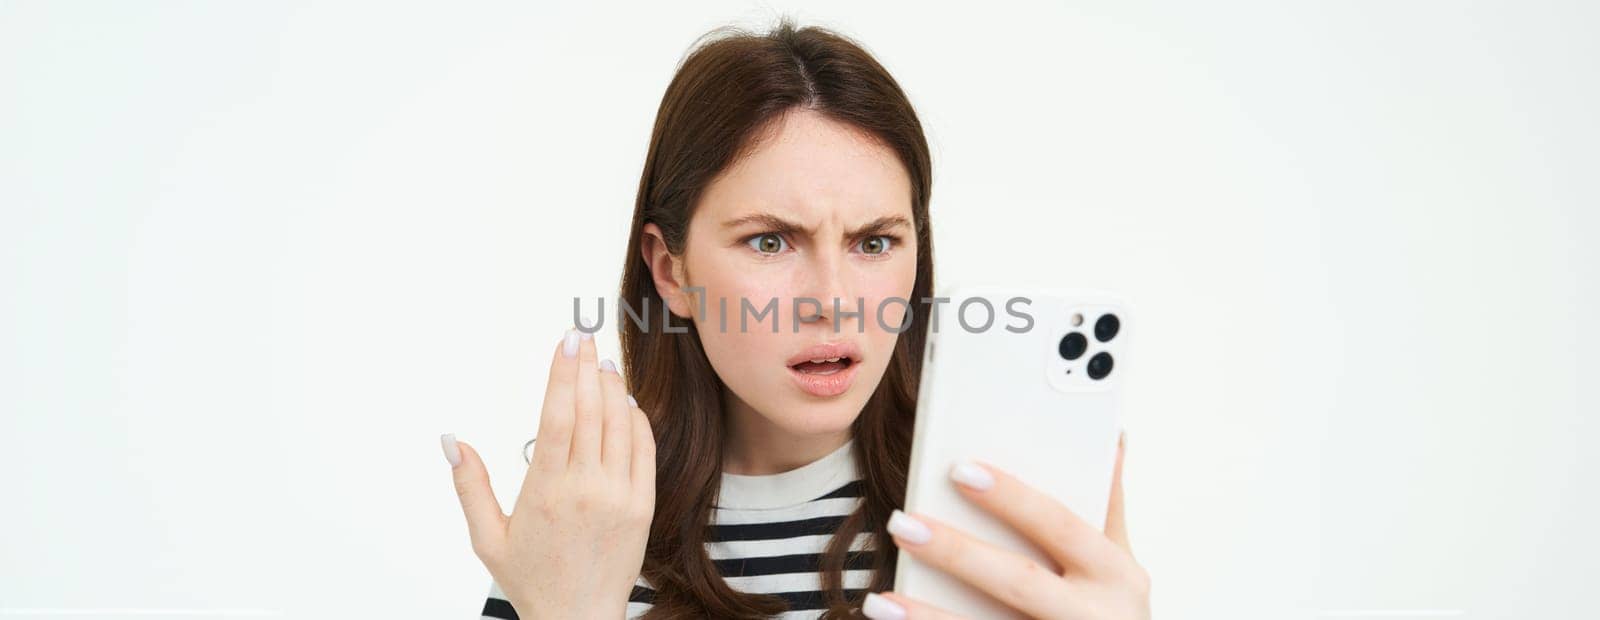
{"type": "Point", "coordinates": [819, 211]}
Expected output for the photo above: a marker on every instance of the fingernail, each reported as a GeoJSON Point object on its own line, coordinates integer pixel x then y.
{"type": "Point", "coordinates": [607, 366]}
{"type": "Point", "coordinates": [632, 402]}
{"type": "Point", "coordinates": [912, 530]}
{"type": "Point", "coordinates": [970, 475]}
{"type": "Point", "coordinates": [569, 344]}
{"type": "Point", "coordinates": [585, 335]}
{"type": "Point", "coordinates": [452, 452]}
{"type": "Point", "coordinates": [881, 608]}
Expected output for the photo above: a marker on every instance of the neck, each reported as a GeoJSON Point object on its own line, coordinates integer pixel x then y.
{"type": "Point", "coordinates": [757, 447]}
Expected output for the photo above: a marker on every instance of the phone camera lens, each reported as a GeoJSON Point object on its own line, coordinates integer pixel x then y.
{"type": "Point", "coordinates": [1072, 346]}
{"type": "Point", "coordinates": [1106, 328]}
{"type": "Point", "coordinates": [1100, 365]}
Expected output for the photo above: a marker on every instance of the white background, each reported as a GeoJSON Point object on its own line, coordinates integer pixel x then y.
{"type": "Point", "coordinates": [255, 258]}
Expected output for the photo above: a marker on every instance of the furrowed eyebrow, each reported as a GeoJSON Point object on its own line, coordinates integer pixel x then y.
{"type": "Point", "coordinates": [881, 224]}
{"type": "Point", "coordinates": [780, 225]}
{"type": "Point", "coordinates": [767, 221]}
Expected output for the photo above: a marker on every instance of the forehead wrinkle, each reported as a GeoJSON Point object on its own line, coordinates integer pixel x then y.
{"type": "Point", "coordinates": [787, 187]}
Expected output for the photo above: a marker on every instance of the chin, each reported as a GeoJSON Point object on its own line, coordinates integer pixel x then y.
{"type": "Point", "coordinates": [813, 418]}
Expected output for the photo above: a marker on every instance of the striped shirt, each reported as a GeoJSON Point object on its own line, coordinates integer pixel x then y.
{"type": "Point", "coordinates": [767, 536]}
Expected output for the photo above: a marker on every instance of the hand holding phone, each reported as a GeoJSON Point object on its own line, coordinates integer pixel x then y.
{"type": "Point", "coordinates": [1013, 504]}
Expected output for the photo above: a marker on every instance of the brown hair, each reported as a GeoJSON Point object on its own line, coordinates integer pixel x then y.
{"type": "Point", "coordinates": [725, 96]}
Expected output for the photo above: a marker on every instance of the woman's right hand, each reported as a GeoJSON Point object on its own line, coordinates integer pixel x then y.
{"type": "Point", "coordinates": [574, 542]}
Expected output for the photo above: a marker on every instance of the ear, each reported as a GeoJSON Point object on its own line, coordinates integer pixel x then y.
{"type": "Point", "coordinates": [666, 270]}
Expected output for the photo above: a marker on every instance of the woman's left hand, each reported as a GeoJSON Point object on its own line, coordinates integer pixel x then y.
{"type": "Point", "coordinates": [1098, 578]}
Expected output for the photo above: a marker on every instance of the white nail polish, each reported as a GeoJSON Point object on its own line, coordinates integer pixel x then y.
{"type": "Point", "coordinates": [569, 343]}
{"type": "Point", "coordinates": [970, 475]}
{"type": "Point", "coordinates": [881, 608]}
{"type": "Point", "coordinates": [912, 530]}
{"type": "Point", "coordinates": [452, 452]}
{"type": "Point", "coordinates": [585, 335]}
{"type": "Point", "coordinates": [607, 366]}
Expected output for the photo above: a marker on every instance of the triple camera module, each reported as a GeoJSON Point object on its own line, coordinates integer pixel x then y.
{"type": "Point", "coordinates": [1075, 344]}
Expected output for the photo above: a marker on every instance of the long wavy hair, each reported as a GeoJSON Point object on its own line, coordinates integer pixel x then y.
{"type": "Point", "coordinates": [726, 93]}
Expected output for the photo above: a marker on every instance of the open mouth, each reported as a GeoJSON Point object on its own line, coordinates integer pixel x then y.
{"type": "Point", "coordinates": [825, 366]}
{"type": "Point", "coordinates": [825, 370]}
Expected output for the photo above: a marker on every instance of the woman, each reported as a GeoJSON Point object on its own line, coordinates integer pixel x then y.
{"type": "Point", "coordinates": [750, 456]}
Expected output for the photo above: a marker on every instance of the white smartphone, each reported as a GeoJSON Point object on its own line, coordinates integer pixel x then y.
{"type": "Point", "coordinates": [1036, 392]}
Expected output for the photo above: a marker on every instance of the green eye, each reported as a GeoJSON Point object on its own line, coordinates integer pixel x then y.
{"type": "Point", "coordinates": [766, 243]}
{"type": "Point", "coordinates": [875, 245]}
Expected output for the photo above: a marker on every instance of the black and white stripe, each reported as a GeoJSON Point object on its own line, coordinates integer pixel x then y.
{"type": "Point", "coordinates": [768, 551]}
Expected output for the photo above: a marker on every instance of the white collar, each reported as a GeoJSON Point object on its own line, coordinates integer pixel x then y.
{"type": "Point", "coordinates": [789, 488]}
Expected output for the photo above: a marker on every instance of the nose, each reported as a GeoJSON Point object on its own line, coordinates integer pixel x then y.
{"type": "Point", "coordinates": [829, 281]}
